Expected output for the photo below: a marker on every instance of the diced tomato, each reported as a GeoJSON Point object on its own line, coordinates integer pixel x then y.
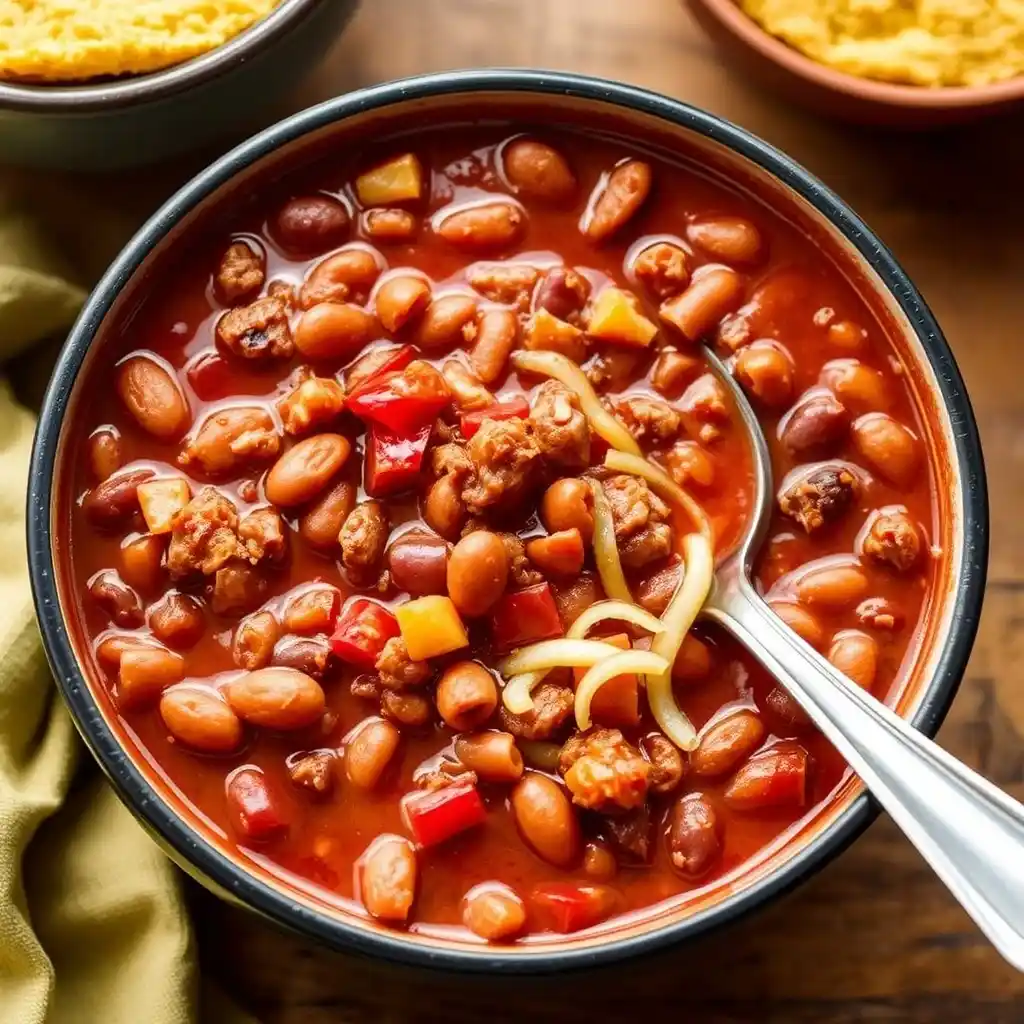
{"type": "Point", "coordinates": [772, 778]}
{"type": "Point", "coordinates": [252, 808]}
{"type": "Point", "coordinates": [398, 359]}
{"type": "Point", "coordinates": [570, 907]}
{"type": "Point", "coordinates": [210, 376]}
{"type": "Point", "coordinates": [362, 630]}
{"type": "Point", "coordinates": [402, 401]}
{"type": "Point", "coordinates": [525, 616]}
{"type": "Point", "coordinates": [618, 700]}
{"type": "Point", "coordinates": [510, 409]}
{"type": "Point", "coordinates": [393, 462]}
{"type": "Point", "coordinates": [434, 817]}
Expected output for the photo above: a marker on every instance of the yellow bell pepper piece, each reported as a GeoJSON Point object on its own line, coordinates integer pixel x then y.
{"type": "Point", "coordinates": [396, 181]}
{"type": "Point", "coordinates": [615, 318]}
{"type": "Point", "coordinates": [161, 501]}
{"type": "Point", "coordinates": [430, 627]}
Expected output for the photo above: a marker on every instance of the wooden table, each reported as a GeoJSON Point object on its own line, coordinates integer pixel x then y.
{"type": "Point", "coordinates": [874, 937]}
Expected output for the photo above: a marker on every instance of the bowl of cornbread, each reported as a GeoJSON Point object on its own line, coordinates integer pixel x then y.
{"type": "Point", "coordinates": [103, 84]}
{"type": "Point", "coordinates": [900, 63]}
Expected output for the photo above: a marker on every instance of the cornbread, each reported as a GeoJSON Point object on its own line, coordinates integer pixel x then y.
{"type": "Point", "coordinates": [72, 40]}
{"type": "Point", "coordinates": [916, 42]}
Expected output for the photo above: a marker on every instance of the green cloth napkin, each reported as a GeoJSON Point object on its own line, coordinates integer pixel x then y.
{"type": "Point", "coordinates": [93, 927]}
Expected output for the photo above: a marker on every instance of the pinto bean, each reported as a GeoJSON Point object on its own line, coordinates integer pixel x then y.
{"type": "Point", "coordinates": [400, 300]}
{"type": "Point", "coordinates": [114, 502]}
{"type": "Point", "coordinates": [538, 171]}
{"type": "Point", "coordinates": [387, 878]}
{"type": "Point", "coordinates": [855, 654]}
{"type": "Point", "coordinates": [888, 446]}
{"type": "Point", "coordinates": [177, 620]}
{"type": "Point", "coordinates": [767, 373]}
{"type": "Point", "coordinates": [105, 455]}
{"type": "Point", "coordinates": [568, 504]}
{"type": "Point", "coordinates": [313, 611]}
{"type": "Point", "coordinates": [418, 563]}
{"type": "Point", "coordinates": [546, 819]}
{"type": "Point", "coordinates": [713, 292]}
{"type": "Point", "coordinates": [466, 695]}
{"type": "Point", "coordinates": [495, 913]}
{"type": "Point", "coordinates": [695, 834]}
{"type": "Point", "coordinates": [152, 395]}
{"type": "Point", "coordinates": [346, 276]}
{"type": "Point", "coordinates": [308, 225]}
{"type": "Point", "coordinates": [833, 586]}
{"type": "Point", "coordinates": [599, 862]}
{"type": "Point", "coordinates": [199, 719]}
{"type": "Point", "coordinates": [491, 226]}
{"type": "Point", "coordinates": [370, 751]}
{"type": "Point", "coordinates": [388, 225]}
{"type": "Point", "coordinates": [321, 523]}
{"type": "Point", "coordinates": [730, 239]}
{"type": "Point", "coordinates": [496, 335]}
{"type": "Point", "coordinates": [803, 622]}
{"type": "Point", "coordinates": [144, 673]}
{"type": "Point", "coordinates": [333, 331]}
{"type": "Point", "coordinates": [254, 641]}
{"type": "Point", "coordinates": [304, 470]}
{"type": "Point", "coordinates": [493, 755]}
{"type": "Point", "coordinates": [725, 743]}
{"type": "Point", "coordinates": [857, 386]}
{"type": "Point", "coordinates": [444, 320]}
{"type": "Point", "coordinates": [276, 698]}
{"type": "Point", "coordinates": [405, 708]}
{"type": "Point", "coordinates": [477, 572]}
{"type": "Point", "coordinates": [618, 200]}
{"type": "Point", "coordinates": [444, 509]}
{"type": "Point", "coordinates": [116, 598]}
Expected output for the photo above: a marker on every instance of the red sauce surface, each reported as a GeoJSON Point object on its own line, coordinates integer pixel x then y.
{"type": "Point", "coordinates": [794, 294]}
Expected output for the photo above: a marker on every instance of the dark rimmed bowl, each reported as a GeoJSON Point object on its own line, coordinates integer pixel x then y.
{"type": "Point", "coordinates": [141, 119]}
{"type": "Point", "coordinates": [663, 124]}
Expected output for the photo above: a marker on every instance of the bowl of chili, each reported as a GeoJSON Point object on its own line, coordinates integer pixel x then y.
{"type": "Point", "coordinates": [361, 490]}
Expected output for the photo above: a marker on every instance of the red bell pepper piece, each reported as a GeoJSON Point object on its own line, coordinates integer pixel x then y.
{"type": "Point", "coordinates": [252, 808]}
{"type": "Point", "coordinates": [402, 401]}
{"type": "Point", "coordinates": [510, 409]}
{"type": "Point", "coordinates": [434, 817]}
{"type": "Point", "coordinates": [397, 359]}
{"type": "Point", "coordinates": [525, 616]}
{"type": "Point", "coordinates": [772, 778]}
{"type": "Point", "coordinates": [392, 461]}
{"type": "Point", "coordinates": [362, 630]}
{"type": "Point", "coordinates": [571, 907]}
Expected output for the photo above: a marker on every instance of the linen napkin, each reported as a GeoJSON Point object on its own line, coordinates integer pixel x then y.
{"type": "Point", "coordinates": [93, 927]}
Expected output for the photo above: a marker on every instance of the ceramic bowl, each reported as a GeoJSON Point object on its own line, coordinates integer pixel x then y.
{"type": "Point", "coordinates": [664, 125]}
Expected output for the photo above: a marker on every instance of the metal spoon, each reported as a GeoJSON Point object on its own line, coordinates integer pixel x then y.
{"type": "Point", "coordinates": [970, 832]}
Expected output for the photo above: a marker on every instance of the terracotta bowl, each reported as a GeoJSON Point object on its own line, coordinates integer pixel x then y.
{"type": "Point", "coordinates": [922, 693]}
{"type": "Point", "coordinates": [779, 67]}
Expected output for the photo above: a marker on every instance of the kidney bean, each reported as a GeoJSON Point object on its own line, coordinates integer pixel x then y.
{"type": "Point", "coordinates": [492, 226]}
{"type": "Point", "coordinates": [804, 623]}
{"type": "Point", "coordinates": [388, 225]}
{"type": "Point", "coordinates": [276, 698]}
{"type": "Point", "coordinates": [857, 386]}
{"type": "Point", "coordinates": [418, 563]}
{"type": "Point", "coordinates": [313, 611]}
{"type": "Point", "coordinates": [346, 276]}
{"type": "Point", "coordinates": [308, 225]}
{"type": "Point", "coordinates": [143, 674]}
{"type": "Point", "coordinates": [494, 912]}
{"type": "Point", "coordinates": [321, 523]}
{"type": "Point", "coordinates": [254, 641]}
{"type": "Point", "coordinates": [306, 654]}
{"type": "Point", "coordinates": [599, 862]}
{"type": "Point", "coordinates": [767, 373]}
{"type": "Point", "coordinates": [466, 695]}
{"type": "Point", "coordinates": [713, 292]}
{"type": "Point", "coordinates": [730, 239]}
{"type": "Point", "coordinates": [387, 878]}
{"type": "Point", "coordinates": [305, 469]}
{"type": "Point", "coordinates": [538, 171]}
{"type": "Point", "coordinates": [726, 742]}
{"type": "Point", "coordinates": [562, 292]}
{"type": "Point", "coordinates": [774, 778]}
{"type": "Point", "coordinates": [443, 322]}
{"type": "Point", "coordinates": [818, 421]}
{"type": "Point", "coordinates": [410, 709]}
{"type": "Point", "coordinates": [546, 819]}
{"type": "Point", "coordinates": [782, 704]}
{"type": "Point", "coordinates": [370, 751]}
{"type": "Point", "coordinates": [493, 755]}
{"type": "Point", "coordinates": [177, 620]}
{"type": "Point", "coordinates": [444, 509]}
{"type": "Point", "coordinates": [568, 505]}
{"type": "Point", "coordinates": [694, 834]}
{"type": "Point", "coordinates": [497, 332]}
{"type": "Point", "coordinates": [400, 300]}
{"type": "Point", "coordinates": [141, 563]}
{"type": "Point", "coordinates": [477, 572]}
{"type": "Point", "coordinates": [116, 598]}
{"type": "Point", "coordinates": [624, 192]}
{"type": "Point", "coordinates": [855, 654]}
{"type": "Point", "coordinates": [833, 586]}
{"type": "Point", "coordinates": [888, 446]}
{"type": "Point", "coordinates": [251, 806]}
{"type": "Point", "coordinates": [104, 452]}
{"type": "Point", "coordinates": [201, 720]}
{"type": "Point", "coordinates": [152, 395]}
{"type": "Point", "coordinates": [334, 331]}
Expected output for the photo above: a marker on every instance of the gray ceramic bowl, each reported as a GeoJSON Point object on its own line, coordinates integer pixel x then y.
{"type": "Point", "coordinates": [142, 119]}
{"type": "Point", "coordinates": [921, 695]}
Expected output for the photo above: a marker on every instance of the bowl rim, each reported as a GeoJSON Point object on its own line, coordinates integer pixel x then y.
{"type": "Point", "coordinates": [146, 802]}
{"type": "Point", "coordinates": [158, 85]}
{"type": "Point", "coordinates": [891, 94]}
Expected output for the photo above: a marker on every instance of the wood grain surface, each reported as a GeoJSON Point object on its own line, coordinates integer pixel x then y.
{"type": "Point", "coordinates": [874, 937]}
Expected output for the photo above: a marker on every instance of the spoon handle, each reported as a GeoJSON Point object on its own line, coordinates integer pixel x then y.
{"type": "Point", "coordinates": [970, 832]}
